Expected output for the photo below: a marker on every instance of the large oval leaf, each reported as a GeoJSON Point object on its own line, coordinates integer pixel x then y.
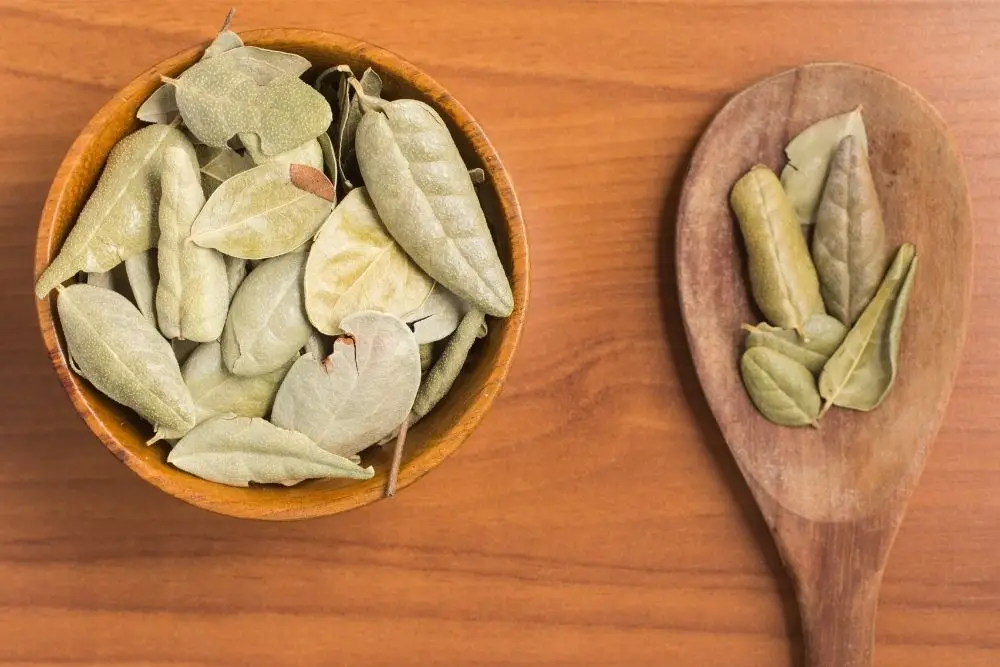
{"type": "Point", "coordinates": [354, 265]}
{"type": "Point", "coordinates": [265, 211]}
{"type": "Point", "coordinates": [783, 390]}
{"type": "Point", "coordinates": [358, 394]}
{"type": "Point", "coordinates": [426, 199]}
{"type": "Point", "coordinates": [267, 323]}
{"type": "Point", "coordinates": [240, 450]}
{"type": "Point", "coordinates": [120, 352]}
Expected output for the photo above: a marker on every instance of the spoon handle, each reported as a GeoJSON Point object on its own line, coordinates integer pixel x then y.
{"type": "Point", "coordinates": [839, 630]}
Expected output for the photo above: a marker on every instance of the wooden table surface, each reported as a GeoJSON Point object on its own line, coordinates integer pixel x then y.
{"type": "Point", "coordinates": [596, 517]}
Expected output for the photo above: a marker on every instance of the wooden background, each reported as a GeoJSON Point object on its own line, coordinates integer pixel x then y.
{"type": "Point", "coordinates": [596, 517]}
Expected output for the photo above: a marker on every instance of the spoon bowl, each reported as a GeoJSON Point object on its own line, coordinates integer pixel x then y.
{"type": "Point", "coordinates": [834, 496]}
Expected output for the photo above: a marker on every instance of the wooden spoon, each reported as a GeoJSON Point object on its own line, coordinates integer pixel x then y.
{"type": "Point", "coordinates": [833, 497]}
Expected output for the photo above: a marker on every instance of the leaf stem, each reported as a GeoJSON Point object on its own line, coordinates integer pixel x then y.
{"type": "Point", "coordinates": [397, 459]}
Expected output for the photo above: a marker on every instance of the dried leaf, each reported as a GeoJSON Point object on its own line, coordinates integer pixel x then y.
{"type": "Point", "coordinates": [861, 372]}
{"type": "Point", "coordinates": [357, 395]}
{"type": "Point", "coordinates": [219, 165]}
{"type": "Point", "coordinates": [160, 107]}
{"type": "Point", "coordinates": [354, 265]}
{"type": "Point", "coordinates": [329, 158]}
{"type": "Point", "coordinates": [782, 276]}
{"type": "Point", "coordinates": [310, 153]}
{"type": "Point", "coordinates": [809, 155]}
{"type": "Point", "coordinates": [349, 118]}
{"type": "Point", "coordinates": [240, 450]}
{"type": "Point", "coordinates": [783, 390]}
{"type": "Point", "coordinates": [265, 212]}
{"type": "Point", "coordinates": [222, 97]}
{"type": "Point", "coordinates": [821, 336]}
{"type": "Point", "coordinates": [123, 355]}
{"type": "Point", "coordinates": [267, 322]}
{"type": "Point", "coordinates": [119, 218]}
{"type": "Point", "coordinates": [445, 371]}
{"type": "Point", "coordinates": [423, 193]}
{"type": "Point", "coordinates": [193, 293]}
{"type": "Point", "coordinates": [142, 279]}
{"type": "Point", "coordinates": [236, 271]}
{"type": "Point", "coordinates": [437, 317]}
{"type": "Point", "coordinates": [849, 239]}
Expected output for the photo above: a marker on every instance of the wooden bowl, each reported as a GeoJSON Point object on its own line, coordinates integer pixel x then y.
{"type": "Point", "coordinates": [433, 438]}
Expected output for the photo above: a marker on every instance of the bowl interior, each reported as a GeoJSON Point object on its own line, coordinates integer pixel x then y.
{"type": "Point", "coordinates": [434, 437]}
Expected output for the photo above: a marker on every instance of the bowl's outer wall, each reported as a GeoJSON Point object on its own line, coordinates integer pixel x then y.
{"type": "Point", "coordinates": [435, 437]}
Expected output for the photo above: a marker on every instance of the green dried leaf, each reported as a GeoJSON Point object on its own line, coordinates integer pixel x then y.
{"type": "Point", "coordinates": [193, 293]}
{"type": "Point", "coordinates": [236, 271]}
{"type": "Point", "coordinates": [782, 276]}
{"type": "Point", "coordinates": [329, 158]}
{"type": "Point", "coordinates": [119, 218]}
{"type": "Point", "coordinates": [437, 317]}
{"type": "Point", "coordinates": [445, 371]}
{"type": "Point", "coordinates": [218, 165]}
{"type": "Point", "coordinates": [222, 97]}
{"type": "Point", "coordinates": [117, 349]}
{"type": "Point", "coordinates": [240, 450]}
{"type": "Point", "coordinates": [160, 107]}
{"type": "Point", "coordinates": [821, 336]}
{"type": "Point", "coordinates": [849, 240]}
{"type": "Point", "coordinates": [349, 118]}
{"type": "Point", "coordinates": [783, 390]}
{"type": "Point", "coordinates": [861, 372]}
{"type": "Point", "coordinates": [809, 155]}
{"type": "Point", "coordinates": [265, 212]}
{"type": "Point", "coordinates": [142, 279]}
{"type": "Point", "coordinates": [310, 153]}
{"type": "Point", "coordinates": [267, 322]}
{"type": "Point", "coordinates": [354, 265]}
{"type": "Point", "coordinates": [358, 394]}
{"type": "Point", "coordinates": [423, 193]}
{"type": "Point", "coordinates": [226, 40]}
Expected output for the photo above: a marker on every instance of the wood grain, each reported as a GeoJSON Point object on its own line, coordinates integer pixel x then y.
{"type": "Point", "coordinates": [595, 517]}
{"type": "Point", "coordinates": [832, 496]}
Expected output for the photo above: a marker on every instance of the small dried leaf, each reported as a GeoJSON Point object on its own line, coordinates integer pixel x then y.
{"type": "Point", "coordinates": [783, 390]}
{"type": "Point", "coordinates": [820, 338]}
{"type": "Point", "coordinates": [310, 153]}
{"type": "Point", "coordinates": [219, 165]}
{"type": "Point", "coordinates": [240, 450]}
{"type": "Point", "coordinates": [264, 212]}
{"type": "Point", "coordinates": [358, 394]}
{"type": "Point", "coordinates": [349, 117]}
{"type": "Point", "coordinates": [437, 317]}
{"type": "Point", "coordinates": [354, 265]}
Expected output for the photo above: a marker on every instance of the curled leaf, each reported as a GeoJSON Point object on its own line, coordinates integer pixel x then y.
{"type": "Point", "coordinates": [782, 276]}
{"type": "Point", "coordinates": [349, 118]}
{"type": "Point", "coordinates": [264, 212]}
{"type": "Point", "coordinates": [437, 317]}
{"type": "Point", "coordinates": [861, 372]}
{"type": "Point", "coordinates": [783, 390]}
{"type": "Point", "coordinates": [360, 393]}
{"type": "Point", "coordinates": [445, 370]}
{"type": "Point", "coordinates": [240, 450]}
{"type": "Point", "coordinates": [354, 265]}
{"type": "Point", "coordinates": [142, 279]}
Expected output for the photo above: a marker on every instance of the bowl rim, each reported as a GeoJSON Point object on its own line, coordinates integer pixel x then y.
{"type": "Point", "coordinates": [445, 443]}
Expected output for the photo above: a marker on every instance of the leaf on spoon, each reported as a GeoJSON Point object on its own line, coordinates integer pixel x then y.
{"type": "Point", "coordinates": [123, 355]}
{"type": "Point", "coordinates": [783, 390]}
{"type": "Point", "coordinates": [820, 338]}
{"type": "Point", "coordinates": [354, 265]}
{"type": "Point", "coordinates": [119, 218]}
{"type": "Point", "coordinates": [809, 155]}
{"type": "Point", "coordinates": [848, 245]}
{"type": "Point", "coordinates": [265, 211]}
{"type": "Point", "coordinates": [861, 372]}
{"type": "Point", "coordinates": [358, 394]}
{"type": "Point", "coordinates": [240, 450]}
